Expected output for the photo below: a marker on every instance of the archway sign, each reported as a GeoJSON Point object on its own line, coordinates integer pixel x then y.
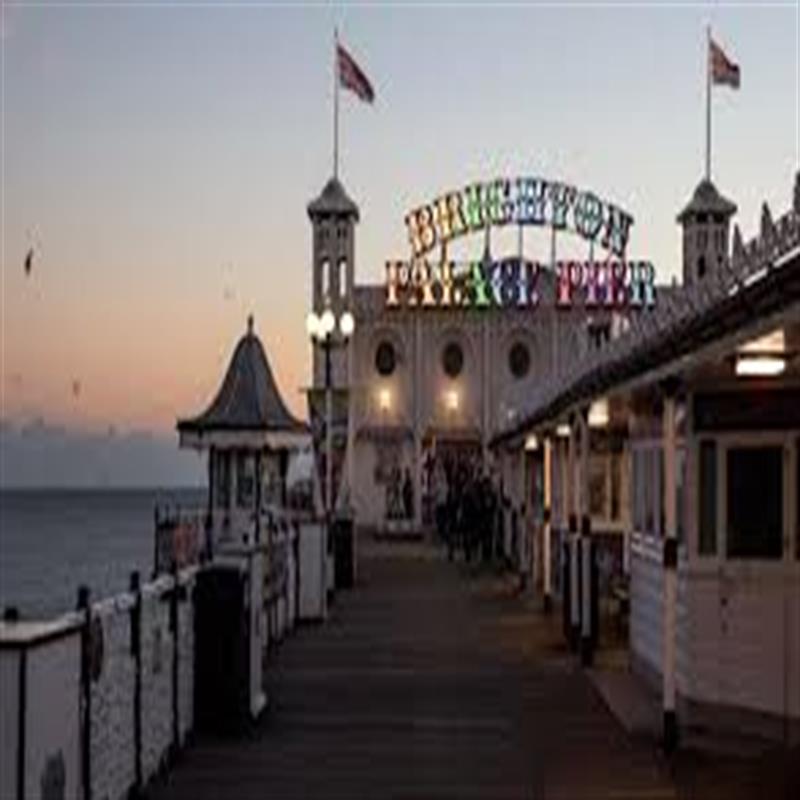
{"type": "Point", "coordinates": [612, 281]}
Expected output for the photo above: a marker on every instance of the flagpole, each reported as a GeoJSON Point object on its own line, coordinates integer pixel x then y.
{"type": "Point", "coordinates": [708, 102]}
{"type": "Point", "coordinates": [335, 102]}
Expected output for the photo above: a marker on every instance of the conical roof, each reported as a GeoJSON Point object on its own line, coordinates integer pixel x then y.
{"type": "Point", "coordinates": [707, 200]}
{"type": "Point", "coordinates": [248, 399]}
{"type": "Point", "coordinates": [333, 200]}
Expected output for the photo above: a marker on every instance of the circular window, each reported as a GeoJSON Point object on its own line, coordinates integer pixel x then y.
{"type": "Point", "coordinates": [385, 359]}
{"type": "Point", "coordinates": [519, 360]}
{"type": "Point", "coordinates": [453, 360]}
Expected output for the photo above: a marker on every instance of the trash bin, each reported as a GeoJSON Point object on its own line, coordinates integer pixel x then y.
{"type": "Point", "coordinates": [221, 634]}
{"type": "Point", "coordinates": [343, 552]}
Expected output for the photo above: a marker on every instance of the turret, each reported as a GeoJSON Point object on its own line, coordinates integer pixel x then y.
{"type": "Point", "coordinates": [706, 232]}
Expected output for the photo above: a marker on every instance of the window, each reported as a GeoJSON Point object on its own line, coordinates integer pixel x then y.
{"type": "Point", "coordinates": [701, 266]}
{"type": "Point", "coordinates": [707, 502]}
{"type": "Point", "coordinates": [755, 502]}
{"type": "Point", "coordinates": [616, 484]}
{"type": "Point", "coordinates": [519, 360]}
{"type": "Point", "coordinates": [325, 274]}
{"type": "Point", "coordinates": [648, 487]}
{"type": "Point", "coordinates": [597, 486]}
{"type": "Point", "coordinates": [648, 491]}
{"type": "Point", "coordinates": [385, 359]}
{"type": "Point", "coordinates": [222, 466]}
{"type": "Point", "coordinates": [245, 484]}
{"type": "Point", "coordinates": [342, 277]}
{"type": "Point", "coordinates": [680, 492]}
{"type": "Point", "coordinates": [452, 360]}
{"type": "Point", "coordinates": [638, 489]}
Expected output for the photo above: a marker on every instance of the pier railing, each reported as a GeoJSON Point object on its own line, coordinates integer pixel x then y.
{"type": "Point", "coordinates": [97, 702]}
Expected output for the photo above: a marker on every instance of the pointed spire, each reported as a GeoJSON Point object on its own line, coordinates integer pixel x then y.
{"type": "Point", "coordinates": [249, 324]}
{"type": "Point", "coordinates": [767, 225]}
{"type": "Point", "coordinates": [738, 247]}
{"type": "Point", "coordinates": [796, 199]}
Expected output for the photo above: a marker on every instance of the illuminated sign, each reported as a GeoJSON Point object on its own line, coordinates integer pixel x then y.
{"type": "Point", "coordinates": [518, 201]}
{"type": "Point", "coordinates": [515, 283]}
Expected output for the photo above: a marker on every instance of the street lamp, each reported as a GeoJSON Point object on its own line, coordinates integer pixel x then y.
{"type": "Point", "coordinates": [321, 329]}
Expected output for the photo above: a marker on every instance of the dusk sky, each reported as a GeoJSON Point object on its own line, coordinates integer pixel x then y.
{"type": "Point", "coordinates": [159, 161]}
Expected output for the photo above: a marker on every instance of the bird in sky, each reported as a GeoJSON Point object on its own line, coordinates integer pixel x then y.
{"type": "Point", "coordinates": [28, 262]}
{"type": "Point", "coordinates": [76, 388]}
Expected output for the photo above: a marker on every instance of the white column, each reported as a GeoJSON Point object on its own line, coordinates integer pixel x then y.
{"type": "Point", "coordinates": [351, 423]}
{"type": "Point", "coordinates": [485, 374]}
{"type": "Point", "coordinates": [571, 489]}
{"type": "Point", "coordinates": [547, 518]}
{"type": "Point", "coordinates": [670, 571]}
{"type": "Point", "coordinates": [416, 378]}
{"type": "Point", "coordinates": [329, 452]}
{"type": "Point", "coordinates": [585, 543]}
{"type": "Point", "coordinates": [572, 494]}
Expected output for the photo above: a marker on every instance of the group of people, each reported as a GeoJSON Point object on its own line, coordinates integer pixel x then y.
{"type": "Point", "coordinates": [467, 506]}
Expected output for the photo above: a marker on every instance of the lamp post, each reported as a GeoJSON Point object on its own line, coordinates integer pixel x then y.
{"type": "Point", "coordinates": [322, 329]}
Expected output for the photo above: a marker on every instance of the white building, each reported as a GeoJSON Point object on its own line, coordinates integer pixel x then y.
{"type": "Point", "coordinates": [441, 361]}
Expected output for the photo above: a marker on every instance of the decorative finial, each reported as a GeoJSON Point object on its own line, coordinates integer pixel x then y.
{"type": "Point", "coordinates": [249, 324]}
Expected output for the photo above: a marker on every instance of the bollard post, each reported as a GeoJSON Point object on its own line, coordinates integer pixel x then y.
{"type": "Point", "coordinates": [136, 652]}
{"type": "Point", "coordinates": [86, 693]}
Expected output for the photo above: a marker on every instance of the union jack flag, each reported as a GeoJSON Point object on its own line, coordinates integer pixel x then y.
{"type": "Point", "coordinates": [352, 77]}
{"type": "Point", "coordinates": [723, 70]}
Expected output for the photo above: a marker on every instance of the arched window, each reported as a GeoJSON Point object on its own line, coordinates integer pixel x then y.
{"type": "Point", "coordinates": [342, 267]}
{"type": "Point", "coordinates": [325, 279]}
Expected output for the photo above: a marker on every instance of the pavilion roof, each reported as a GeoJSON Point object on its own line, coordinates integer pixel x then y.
{"type": "Point", "coordinates": [248, 399]}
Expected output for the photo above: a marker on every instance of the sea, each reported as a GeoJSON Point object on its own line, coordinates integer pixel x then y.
{"type": "Point", "coordinates": [52, 541]}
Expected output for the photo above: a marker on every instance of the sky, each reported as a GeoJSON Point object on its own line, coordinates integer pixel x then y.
{"type": "Point", "coordinates": [158, 158]}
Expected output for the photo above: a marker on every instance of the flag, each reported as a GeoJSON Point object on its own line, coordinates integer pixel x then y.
{"type": "Point", "coordinates": [723, 70]}
{"type": "Point", "coordinates": [352, 77]}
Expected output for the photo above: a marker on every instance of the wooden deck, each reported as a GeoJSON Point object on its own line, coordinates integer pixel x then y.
{"type": "Point", "coordinates": [426, 682]}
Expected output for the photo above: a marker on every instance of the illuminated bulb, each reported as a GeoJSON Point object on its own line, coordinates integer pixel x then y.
{"type": "Point", "coordinates": [312, 324]}
{"type": "Point", "coordinates": [532, 442]}
{"type": "Point", "coordinates": [562, 430]}
{"type": "Point", "coordinates": [327, 323]}
{"type": "Point", "coordinates": [452, 400]}
{"type": "Point", "coordinates": [759, 366]}
{"type": "Point", "coordinates": [598, 413]}
{"type": "Point", "coordinates": [384, 399]}
{"type": "Point", "coordinates": [347, 324]}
